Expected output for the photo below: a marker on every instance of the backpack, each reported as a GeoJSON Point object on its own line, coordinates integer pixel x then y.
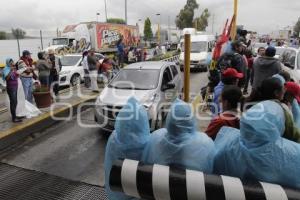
{"type": "Point", "coordinates": [227, 60]}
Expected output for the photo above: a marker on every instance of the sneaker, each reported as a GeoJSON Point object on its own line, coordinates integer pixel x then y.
{"type": "Point", "coordinates": [20, 117]}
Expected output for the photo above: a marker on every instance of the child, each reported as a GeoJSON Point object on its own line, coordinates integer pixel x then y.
{"type": "Point", "coordinates": [230, 99]}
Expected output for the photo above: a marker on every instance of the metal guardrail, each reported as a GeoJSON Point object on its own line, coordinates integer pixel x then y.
{"type": "Point", "coordinates": [172, 59]}
{"type": "Point", "coordinates": [157, 182]}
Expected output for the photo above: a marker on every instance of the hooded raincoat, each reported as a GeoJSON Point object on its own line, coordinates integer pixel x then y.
{"type": "Point", "coordinates": [180, 144]}
{"type": "Point", "coordinates": [258, 151]}
{"type": "Point", "coordinates": [6, 69]}
{"type": "Point", "coordinates": [296, 113]}
{"type": "Point", "coordinates": [131, 134]}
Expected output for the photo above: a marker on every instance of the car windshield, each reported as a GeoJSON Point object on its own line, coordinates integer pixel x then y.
{"type": "Point", "coordinates": [60, 41]}
{"type": "Point", "coordinates": [69, 60]}
{"type": "Point", "coordinates": [197, 47]}
{"type": "Point", "coordinates": [136, 79]}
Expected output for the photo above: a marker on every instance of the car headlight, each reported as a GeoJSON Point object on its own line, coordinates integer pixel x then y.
{"type": "Point", "coordinates": [64, 72]}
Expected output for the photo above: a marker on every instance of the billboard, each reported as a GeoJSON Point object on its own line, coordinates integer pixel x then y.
{"type": "Point", "coordinates": [109, 34]}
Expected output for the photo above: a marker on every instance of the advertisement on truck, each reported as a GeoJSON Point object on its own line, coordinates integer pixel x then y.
{"type": "Point", "coordinates": [109, 34]}
{"type": "Point", "coordinates": [100, 36]}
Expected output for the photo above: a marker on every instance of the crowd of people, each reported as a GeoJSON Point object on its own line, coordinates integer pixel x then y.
{"type": "Point", "coordinates": [24, 76]}
{"type": "Point", "coordinates": [251, 136]}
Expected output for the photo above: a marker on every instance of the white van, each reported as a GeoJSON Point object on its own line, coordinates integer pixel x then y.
{"type": "Point", "coordinates": [201, 51]}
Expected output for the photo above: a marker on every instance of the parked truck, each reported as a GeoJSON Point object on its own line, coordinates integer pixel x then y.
{"type": "Point", "coordinates": [100, 36]}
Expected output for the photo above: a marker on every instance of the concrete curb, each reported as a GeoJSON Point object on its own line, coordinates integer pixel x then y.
{"type": "Point", "coordinates": [14, 135]}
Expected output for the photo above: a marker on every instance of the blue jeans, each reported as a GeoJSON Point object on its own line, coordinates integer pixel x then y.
{"type": "Point", "coordinates": [45, 81]}
{"type": "Point", "coordinates": [27, 86]}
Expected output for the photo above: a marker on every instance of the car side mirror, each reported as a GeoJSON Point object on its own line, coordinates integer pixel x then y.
{"type": "Point", "coordinates": [168, 86]}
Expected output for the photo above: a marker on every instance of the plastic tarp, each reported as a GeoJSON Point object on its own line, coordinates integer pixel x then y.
{"type": "Point", "coordinates": [258, 150]}
{"type": "Point", "coordinates": [296, 113]}
{"type": "Point", "coordinates": [131, 134]}
{"type": "Point", "coordinates": [180, 144]}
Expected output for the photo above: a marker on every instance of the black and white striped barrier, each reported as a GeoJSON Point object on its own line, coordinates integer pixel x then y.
{"type": "Point", "coordinates": [157, 182]}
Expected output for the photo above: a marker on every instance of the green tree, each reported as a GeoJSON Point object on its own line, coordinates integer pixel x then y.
{"type": "Point", "coordinates": [297, 28]}
{"type": "Point", "coordinates": [3, 35]}
{"type": "Point", "coordinates": [18, 33]}
{"type": "Point", "coordinates": [148, 34]}
{"type": "Point", "coordinates": [186, 15]}
{"type": "Point", "coordinates": [202, 22]}
{"type": "Point", "coordinates": [116, 21]}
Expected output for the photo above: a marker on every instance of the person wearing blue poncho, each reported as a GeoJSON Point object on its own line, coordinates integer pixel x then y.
{"type": "Point", "coordinates": [131, 134]}
{"type": "Point", "coordinates": [180, 144]}
{"type": "Point", "coordinates": [258, 151]}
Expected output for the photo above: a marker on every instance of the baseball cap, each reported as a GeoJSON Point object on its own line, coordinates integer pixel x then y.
{"type": "Point", "coordinates": [232, 73]}
{"type": "Point", "coordinates": [294, 89]}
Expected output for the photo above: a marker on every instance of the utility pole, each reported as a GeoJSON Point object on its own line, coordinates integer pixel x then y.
{"type": "Point", "coordinates": [169, 29]}
{"type": "Point", "coordinates": [158, 28]}
{"type": "Point", "coordinates": [105, 9]}
{"type": "Point", "coordinates": [126, 12]}
{"type": "Point", "coordinates": [41, 35]}
{"type": "Point", "coordinates": [17, 36]}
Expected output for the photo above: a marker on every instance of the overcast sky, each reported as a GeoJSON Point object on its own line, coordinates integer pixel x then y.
{"type": "Point", "coordinates": [263, 16]}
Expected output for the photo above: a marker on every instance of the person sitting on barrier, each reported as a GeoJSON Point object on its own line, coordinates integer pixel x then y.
{"type": "Point", "coordinates": [258, 151]}
{"type": "Point", "coordinates": [273, 89]}
{"type": "Point", "coordinates": [180, 144]}
{"type": "Point", "coordinates": [131, 134]}
{"type": "Point", "coordinates": [230, 98]}
{"type": "Point", "coordinates": [292, 99]}
{"type": "Point", "coordinates": [229, 77]}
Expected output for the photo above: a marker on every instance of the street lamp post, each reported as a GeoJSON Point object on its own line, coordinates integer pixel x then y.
{"type": "Point", "coordinates": [97, 15]}
{"type": "Point", "coordinates": [158, 28]}
{"type": "Point", "coordinates": [105, 3]}
{"type": "Point", "coordinates": [126, 12]}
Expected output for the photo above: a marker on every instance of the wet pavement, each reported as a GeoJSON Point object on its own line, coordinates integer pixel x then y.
{"type": "Point", "coordinates": [70, 151]}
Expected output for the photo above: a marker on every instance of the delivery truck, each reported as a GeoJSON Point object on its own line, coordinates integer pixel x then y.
{"type": "Point", "coordinates": [103, 37]}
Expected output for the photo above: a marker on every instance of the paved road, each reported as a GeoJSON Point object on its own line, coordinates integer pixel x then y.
{"type": "Point", "coordinates": [70, 151]}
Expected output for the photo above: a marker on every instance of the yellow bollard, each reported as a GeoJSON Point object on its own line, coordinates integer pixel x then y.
{"type": "Point", "coordinates": [187, 62]}
{"type": "Point", "coordinates": [235, 12]}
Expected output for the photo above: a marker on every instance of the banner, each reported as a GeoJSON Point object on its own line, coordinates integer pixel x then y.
{"type": "Point", "coordinates": [109, 34]}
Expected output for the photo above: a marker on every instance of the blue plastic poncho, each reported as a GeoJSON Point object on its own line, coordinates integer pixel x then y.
{"type": "Point", "coordinates": [258, 151]}
{"type": "Point", "coordinates": [131, 134]}
{"type": "Point", "coordinates": [180, 144]}
{"type": "Point", "coordinates": [6, 69]}
{"type": "Point", "coordinates": [296, 113]}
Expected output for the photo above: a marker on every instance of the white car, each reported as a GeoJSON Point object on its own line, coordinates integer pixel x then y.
{"type": "Point", "coordinates": [154, 84]}
{"type": "Point", "coordinates": [279, 51]}
{"type": "Point", "coordinates": [290, 58]}
{"type": "Point", "coordinates": [72, 72]}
